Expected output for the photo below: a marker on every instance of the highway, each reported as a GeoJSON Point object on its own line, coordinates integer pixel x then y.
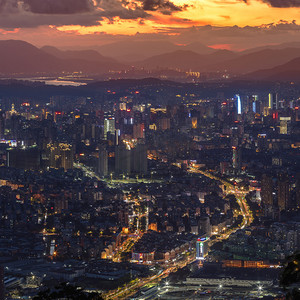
{"type": "Point", "coordinates": [131, 288]}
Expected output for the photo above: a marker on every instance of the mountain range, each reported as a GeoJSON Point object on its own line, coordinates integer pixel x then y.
{"type": "Point", "coordinates": [19, 57]}
{"type": "Point", "coordinates": [276, 62]}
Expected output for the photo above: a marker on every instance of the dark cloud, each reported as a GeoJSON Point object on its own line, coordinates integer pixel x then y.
{"type": "Point", "coordinates": [280, 3]}
{"type": "Point", "coordinates": [165, 6]}
{"type": "Point", "coordinates": [33, 13]}
{"type": "Point", "coordinates": [58, 6]}
{"type": "Point", "coordinates": [283, 3]}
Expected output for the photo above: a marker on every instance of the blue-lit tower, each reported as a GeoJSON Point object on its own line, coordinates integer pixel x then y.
{"type": "Point", "coordinates": [239, 104]}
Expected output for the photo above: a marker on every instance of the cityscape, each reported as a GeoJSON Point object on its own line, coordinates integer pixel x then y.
{"type": "Point", "coordinates": [148, 152]}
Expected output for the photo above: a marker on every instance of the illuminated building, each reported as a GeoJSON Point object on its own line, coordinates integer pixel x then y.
{"type": "Point", "coordinates": [164, 124]}
{"type": "Point", "coordinates": [139, 131]}
{"type": "Point", "coordinates": [236, 158]}
{"type": "Point", "coordinates": [194, 123]}
{"type": "Point", "coordinates": [283, 191]}
{"type": "Point", "coordinates": [109, 126]}
{"type": "Point", "coordinates": [122, 106]}
{"type": "Point", "coordinates": [273, 101]}
{"type": "Point", "coordinates": [201, 248]}
{"type": "Point", "coordinates": [267, 190]}
{"type": "Point", "coordinates": [60, 156]}
{"type": "Point", "coordinates": [255, 104]}
{"type": "Point", "coordinates": [122, 159]}
{"type": "Point", "coordinates": [239, 104]}
{"type": "Point", "coordinates": [139, 158]}
{"type": "Point", "coordinates": [285, 125]}
{"type": "Point", "coordinates": [103, 161]}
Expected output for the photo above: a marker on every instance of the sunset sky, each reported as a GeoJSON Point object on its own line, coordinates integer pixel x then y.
{"type": "Point", "coordinates": [232, 24]}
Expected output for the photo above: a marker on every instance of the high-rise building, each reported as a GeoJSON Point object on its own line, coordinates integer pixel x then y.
{"type": "Point", "coordinates": [27, 159]}
{"type": "Point", "coordinates": [201, 248]}
{"type": "Point", "coordinates": [139, 131]}
{"type": "Point", "coordinates": [285, 125]}
{"type": "Point", "coordinates": [283, 191]}
{"type": "Point", "coordinates": [103, 161]}
{"type": "Point", "coordinates": [60, 155]}
{"type": "Point", "coordinates": [139, 158]}
{"type": "Point", "coordinates": [239, 104]}
{"type": "Point", "coordinates": [267, 191]}
{"type": "Point", "coordinates": [273, 101]}
{"type": "Point", "coordinates": [122, 160]}
{"type": "Point", "coordinates": [236, 158]}
{"type": "Point", "coordinates": [109, 126]}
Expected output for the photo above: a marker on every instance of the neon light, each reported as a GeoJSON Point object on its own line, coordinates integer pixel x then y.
{"type": "Point", "coordinates": [239, 105]}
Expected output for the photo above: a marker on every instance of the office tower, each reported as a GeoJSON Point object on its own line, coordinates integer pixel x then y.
{"type": "Point", "coordinates": [238, 104]}
{"type": "Point", "coordinates": [267, 191]}
{"type": "Point", "coordinates": [139, 158]}
{"type": "Point", "coordinates": [164, 124]}
{"type": "Point", "coordinates": [285, 125]}
{"type": "Point", "coordinates": [27, 159]}
{"type": "Point", "coordinates": [204, 225]}
{"type": "Point", "coordinates": [201, 248]}
{"type": "Point", "coordinates": [109, 126]}
{"type": "Point", "coordinates": [60, 156]}
{"type": "Point", "coordinates": [255, 104]}
{"type": "Point", "coordinates": [236, 158]}
{"type": "Point", "coordinates": [122, 160]}
{"type": "Point", "coordinates": [283, 191]}
{"type": "Point", "coordinates": [273, 101]}
{"type": "Point", "coordinates": [103, 161]}
{"type": "Point", "coordinates": [117, 137]}
{"type": "Point", "coordinates": [139, 131]}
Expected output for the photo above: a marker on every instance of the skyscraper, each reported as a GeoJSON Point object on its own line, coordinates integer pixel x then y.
{"type": "Point", "coordinates": [285, 125]}
{"type": "Point", "coordinates": [139, 158]}
{"type": "Point", "coordinates": [236, 158]}
{"type": "Point", "coordinates": [60, 155]}
{"type": "Point", "coordinates": [273, 101]}
{"type": "Point", "coordinates": [122, 160]}
{"type": "Point", "coordinates": [267, 191]}
{"type": "Point", "coordinates": [201, 248]}
{"type": "Point", "coordinates": [239, 104]}
{"type": "Point", "coordinates": [103, 161]}
{"type": "Point", "coordinates": [109, 126]}
{"type": "Point", "coordinates": [283, 191]}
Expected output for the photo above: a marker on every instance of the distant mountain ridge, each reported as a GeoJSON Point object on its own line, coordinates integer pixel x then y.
{"type": "Point", "coordinates": [19, 57]}
{"type": "Point", "coordinates": [221, 60]}
{"type": "Point", "coordinates": [289, 71]}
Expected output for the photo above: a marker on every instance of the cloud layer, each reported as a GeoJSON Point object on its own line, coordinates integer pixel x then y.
{"type": "Point", "coordinates": [280, 3]}
{"type": "Point", "coordinates": [32, 13]}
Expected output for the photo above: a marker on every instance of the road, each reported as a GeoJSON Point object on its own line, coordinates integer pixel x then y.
{"type": "Point", "coordinates": [231, 189]}
{"type": "Point", "coordinates": [131, 289]}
